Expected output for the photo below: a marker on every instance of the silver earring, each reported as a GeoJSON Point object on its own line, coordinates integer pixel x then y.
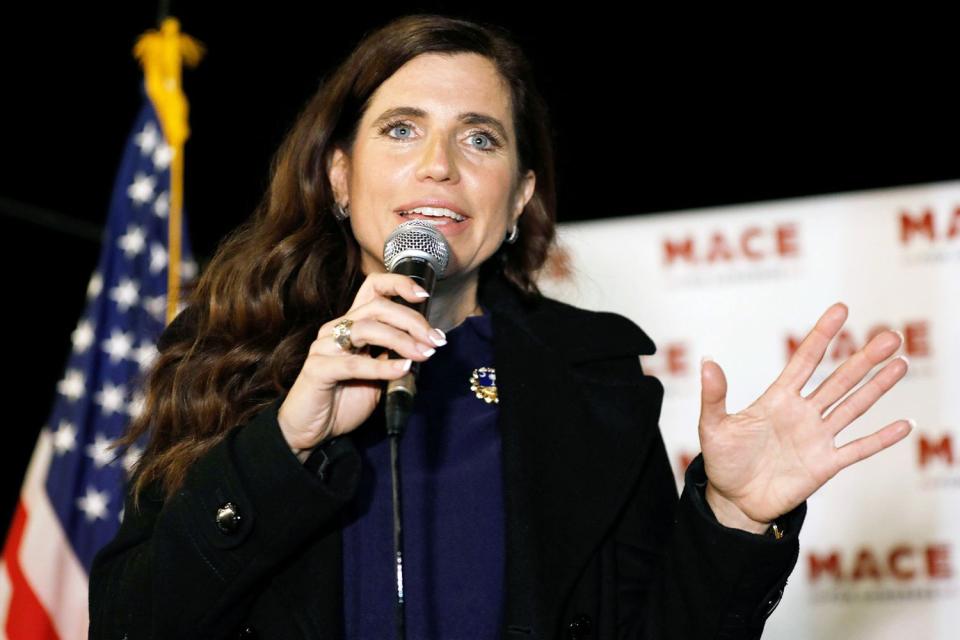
{"type": "Point", "coordinates": [514, 234]}
{"type": "Point", "coordinates": [341, 212]}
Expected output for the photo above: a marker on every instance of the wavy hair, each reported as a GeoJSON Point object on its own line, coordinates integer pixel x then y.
{"type": "Point", "coordinates": [292, 266]}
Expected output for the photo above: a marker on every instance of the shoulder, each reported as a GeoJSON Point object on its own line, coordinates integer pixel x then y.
{"type": "Point", "coordinates": [584, 335]}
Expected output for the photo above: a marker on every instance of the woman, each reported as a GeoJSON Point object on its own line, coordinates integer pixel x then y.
{"type": "Point", "coordinates": [258, 507]}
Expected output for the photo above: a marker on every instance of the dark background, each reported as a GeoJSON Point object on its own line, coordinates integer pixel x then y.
{"type": "Point", "coordinates": [651, 113]}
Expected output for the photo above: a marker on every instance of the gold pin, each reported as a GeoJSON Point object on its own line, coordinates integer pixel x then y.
{"type": "Point", "coordinates": [483, 382]}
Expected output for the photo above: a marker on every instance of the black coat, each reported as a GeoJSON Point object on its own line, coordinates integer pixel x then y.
{"type": "Point", "coordinates": [597, 544]}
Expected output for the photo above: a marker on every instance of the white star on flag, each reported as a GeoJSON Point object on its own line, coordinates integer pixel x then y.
{"type": "Point", "coordinates": [65, 437]}
{"type": "Point", "coordinates": [133, 241]}
{"type": "Point", "coordinates": [147, 139]}
{"type": "Point", "coordinates": [158, 257]}
{"type": "Point", "coordinates": [125, 294]}
{"type": "Point", "coordinates": [72, 385]}
{"type": "Point", "coordinates": [95, 286]}
{"type": "Point", "coordinates": [162, 156]}
{"type": "Point", "coordinates": [110, 398]}
{"type": "Point", "coordinates": [161, 206]}
{"type": "Point", "coordinates": [141, 190]}
{"type": "Point", "coordinates": [100, 452]}
{"type": "Point", "coordinates": [82, 336]}
{"type": "Point", "coordinates": [93, 504]}
{"type": "Point", "coordinates": [188, 269]}
{"type": "Point", "coordinates": [145, 354]}
{"type": "Point", "coordinates": [135, 406]}
{"type": "Point", "coordinates": [118, 345]}
{"type": "Point", "coordinates": [131, 457]}
{"type": "Point", "coordinates": [156, 306]}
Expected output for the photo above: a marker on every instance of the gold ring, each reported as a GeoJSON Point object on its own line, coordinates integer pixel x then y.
{"type": "Point", "coordinates": [341, 334]}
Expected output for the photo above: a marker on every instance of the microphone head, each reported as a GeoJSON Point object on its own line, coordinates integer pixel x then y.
{"type": "Point", "coordinates": [417, 239]}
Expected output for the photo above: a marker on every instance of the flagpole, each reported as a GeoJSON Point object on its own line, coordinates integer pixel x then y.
{"type": "Point", "coordinates": [162, 53]}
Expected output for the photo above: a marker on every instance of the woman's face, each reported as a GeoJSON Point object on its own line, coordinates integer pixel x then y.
{"type": "Point", "coordinates": [438, 134]}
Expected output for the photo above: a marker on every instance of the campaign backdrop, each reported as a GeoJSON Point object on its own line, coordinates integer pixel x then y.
{"type": "Point", "coordinates": [743, 284]}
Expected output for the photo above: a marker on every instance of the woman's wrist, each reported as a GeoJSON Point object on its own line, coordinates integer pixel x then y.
{"type": "Point", "coordinates": [730, 515]}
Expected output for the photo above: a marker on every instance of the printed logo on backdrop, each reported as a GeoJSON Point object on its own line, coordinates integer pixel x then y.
{"type": "Point", "coordinates": [914, 570]}
{"type": "Point", "coordinates": [917, 346]}
{"type": "Point", "coordinates": [734, 253]}
{"type": "Point", "coordinates": [672, 361]}
{"type": "Point", "coordinates": [677, 363]}
{"type": "Point", "coordinates": [929, 235]}
{"type": "Point", "coordinates": [938, 458]}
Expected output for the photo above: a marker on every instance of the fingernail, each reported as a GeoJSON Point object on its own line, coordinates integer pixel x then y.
{"type": "Point", "coordinates": [420, 292]}
{"type": "Point", "coordinates": [902, 339]}
{"type": "Point", "coordinates": [913, 423]}
{"type": "Point", "coordinates": [437, 337]}
{"type": "Point", "coordinates": [404, 365]}
{"type": "Point", "coordinates": [429, 352]}
{"type": "Point", "coordinates": [905, 360]}
{"type": "Point", "coordinates": [703, 361]}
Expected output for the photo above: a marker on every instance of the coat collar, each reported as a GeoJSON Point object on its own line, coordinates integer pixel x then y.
{"type": "Point", "coordinates": [573, 440]}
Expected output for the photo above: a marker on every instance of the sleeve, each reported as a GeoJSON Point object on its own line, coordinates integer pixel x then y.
{"type": "Point", "coordinates": [689, 576]}
{"type": "Point", "coordinates": [188, 566]}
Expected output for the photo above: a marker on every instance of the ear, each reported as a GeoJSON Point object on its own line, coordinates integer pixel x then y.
{"type": "Point", "coordinates": [525, 191]}
{"type": "Point", "coordinates": [338, 172]}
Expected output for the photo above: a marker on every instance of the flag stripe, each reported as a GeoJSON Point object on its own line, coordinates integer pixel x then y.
{"type": "Point", "coordinates": [46, 555]}
{"type": "Point", "coordinates": [30, 621]}
{"type": "Point", "coordinates": [6, 592]}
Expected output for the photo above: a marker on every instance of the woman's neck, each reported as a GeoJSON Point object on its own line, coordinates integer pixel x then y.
{"type": "Point", "coordinates": [453, 300]}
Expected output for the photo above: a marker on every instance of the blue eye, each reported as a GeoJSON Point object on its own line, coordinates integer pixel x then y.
{"type": "Point", "coordinates": [482, 136]}
{"type": "Point", "coordinates": [396, 124]}
{"type": "Point", "coordinates": [491, 138]}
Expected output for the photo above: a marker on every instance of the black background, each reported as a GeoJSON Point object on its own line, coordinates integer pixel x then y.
{"type": "Point", "coordinates": [652, 112]}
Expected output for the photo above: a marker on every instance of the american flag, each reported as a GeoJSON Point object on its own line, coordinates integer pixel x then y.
{"type": "Point", "coordinates": [72, 497]}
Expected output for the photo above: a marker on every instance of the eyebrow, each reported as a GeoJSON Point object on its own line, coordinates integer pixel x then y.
{"type": "Point", "coordinates": [469, 117]}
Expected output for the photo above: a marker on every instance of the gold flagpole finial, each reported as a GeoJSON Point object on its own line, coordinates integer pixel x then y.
{"type": "Point", "coordinates": [162, 53]}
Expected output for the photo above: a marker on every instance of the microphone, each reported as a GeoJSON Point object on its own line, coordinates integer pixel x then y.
{"type": "Point", "coordinates": [416, 248]}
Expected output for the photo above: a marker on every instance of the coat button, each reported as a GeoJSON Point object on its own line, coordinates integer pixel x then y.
{"type": "Point", "coordinates": [773, 602]}
{"type": "Point", "coordinates": [580, 627]}
{"type": "Point", "coordinates": [228, 518]}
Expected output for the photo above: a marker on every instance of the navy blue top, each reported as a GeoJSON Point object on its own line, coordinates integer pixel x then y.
{"type": "Point", "coordinates": [452, 507]}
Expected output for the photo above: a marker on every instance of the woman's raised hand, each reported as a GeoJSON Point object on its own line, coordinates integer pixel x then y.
{"type": "Point", "coordinates": [336, 390]}
{"type": "Point", "coordinates": [767, 459]}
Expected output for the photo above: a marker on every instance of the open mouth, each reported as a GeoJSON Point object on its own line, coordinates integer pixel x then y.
{"type": "Point", "coordinates": [436, 215]}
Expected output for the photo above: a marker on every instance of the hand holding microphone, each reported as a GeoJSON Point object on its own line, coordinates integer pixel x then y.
{"type": "Point", "coordinates": [337, 390]}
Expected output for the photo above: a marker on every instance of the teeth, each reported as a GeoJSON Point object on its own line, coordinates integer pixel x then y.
{"type": "Point", "coordinates": [437, 212]}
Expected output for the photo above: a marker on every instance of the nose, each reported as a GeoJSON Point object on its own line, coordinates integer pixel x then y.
{"type": "Point", "coordinates": [437, 162]}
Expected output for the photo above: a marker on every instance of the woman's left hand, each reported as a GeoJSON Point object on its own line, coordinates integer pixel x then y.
{"type": "Point", "coordinates": [767, 459]}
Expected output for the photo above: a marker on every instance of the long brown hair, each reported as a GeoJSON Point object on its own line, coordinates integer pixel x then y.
{"type": "Point", "coordinates": [292, 266]}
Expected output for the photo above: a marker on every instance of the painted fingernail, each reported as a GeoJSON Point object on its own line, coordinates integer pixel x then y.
{"type": "Point", "coordinates": [404, 365]}
{"type": "Point", "coordinates": [437, 337]}
{"type": "Point", "coordinates": [420, 292]}
{"type": "Point", "coordinates": [429, 352]}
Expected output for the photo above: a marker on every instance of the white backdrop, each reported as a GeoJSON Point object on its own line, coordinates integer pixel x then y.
{"type": "Point", "coordinates": [880, 549]}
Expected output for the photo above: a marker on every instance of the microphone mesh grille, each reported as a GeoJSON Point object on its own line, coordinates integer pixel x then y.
{"type": "Point", "coordinates": [417, 239]}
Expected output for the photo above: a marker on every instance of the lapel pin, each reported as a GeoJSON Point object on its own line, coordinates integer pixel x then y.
{"type": "Point", "coordinates": [483, 382]}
